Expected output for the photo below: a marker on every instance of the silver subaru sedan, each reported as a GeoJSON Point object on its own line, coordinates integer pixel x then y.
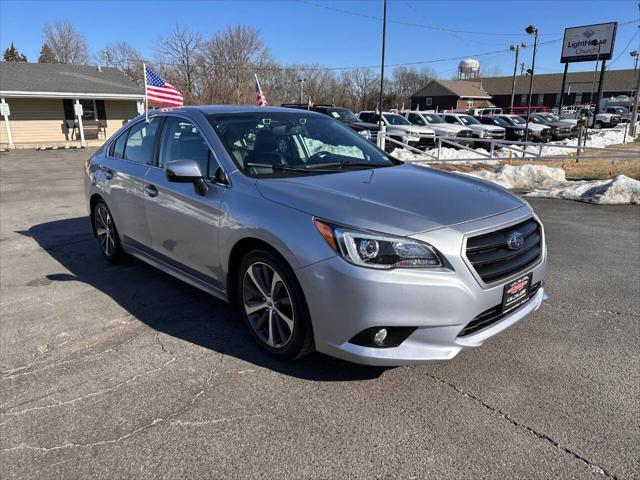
{"type": "Point", "coordinates": [322, 240]}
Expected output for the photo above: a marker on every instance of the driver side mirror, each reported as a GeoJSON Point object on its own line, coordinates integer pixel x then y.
{"type": "Point", "coordinates": [186, 171]}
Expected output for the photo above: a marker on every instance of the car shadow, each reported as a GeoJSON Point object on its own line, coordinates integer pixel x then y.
{"type": "Point", "coordinates": [171, 306]}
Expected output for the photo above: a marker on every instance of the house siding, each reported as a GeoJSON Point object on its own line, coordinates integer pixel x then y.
{"type": "Point", "coordinates": [42, 121]}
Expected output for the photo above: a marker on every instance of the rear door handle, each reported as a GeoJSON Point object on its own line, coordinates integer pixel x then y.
{"type": "Point", "coordinates": [151, 190]}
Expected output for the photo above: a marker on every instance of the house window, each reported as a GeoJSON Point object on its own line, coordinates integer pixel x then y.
{"type": "Point", "coordinates": [540, 99]}
{"type": "Point", "coordinates": [557, 99]}
{"type": "Point", "coordinates": [578, 99]}
{"type": "Point", "coordinates": [523, 99]}
{"type": "Point", "coordinates": [470, 103]}
{"type": "Point", "coordinates": [89, 111]}
{"type": "Point", "coordinates": [429, 101]}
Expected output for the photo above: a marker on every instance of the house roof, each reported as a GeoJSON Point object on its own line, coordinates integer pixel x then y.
{"type": "Point", "coordinates": [459, 88]}
{"type": "Point", "coordinates": [19, 79]}
{"type": "Point", "coordinates": [615, 81]}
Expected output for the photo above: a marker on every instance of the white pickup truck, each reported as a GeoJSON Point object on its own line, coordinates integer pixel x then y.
{"type": "Point", "coordinates": [601, 120]}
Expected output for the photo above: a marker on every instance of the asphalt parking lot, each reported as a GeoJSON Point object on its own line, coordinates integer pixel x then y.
{"type": "Point", "coordinates": [125, 372]}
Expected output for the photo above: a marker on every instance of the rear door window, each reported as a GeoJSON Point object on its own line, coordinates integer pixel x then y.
{"type": "Point", "coordinates": [141, 142]}
{"type": "Point", "coordinates": [117, 148]}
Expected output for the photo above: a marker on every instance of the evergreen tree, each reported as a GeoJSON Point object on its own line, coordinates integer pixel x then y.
{"type": "Point", "coordinates": [12, 54]}
{"type": "Point", "coordinates": [46, 55]}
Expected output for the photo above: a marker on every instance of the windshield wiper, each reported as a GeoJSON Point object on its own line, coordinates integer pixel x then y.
{"type": "Point", "coordinates": [284, 168]}
{"type": "Point", "coordinates": [343, 164]}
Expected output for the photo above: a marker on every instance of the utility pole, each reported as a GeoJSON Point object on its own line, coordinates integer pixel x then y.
{"type": "Point", "coordinates": [301, 82]}
{"type": "Point", "coordinates": [634, 111]}
{"type": "Point", "coordinates": [515, 48]}
{"type": "Point", "coordinates": [595, 72]}
{"type": "Point", "coordinates": [531, 30]}
{"type": "Point", "coordinates": [564, 81]}
{"type": "Point", "coordinates": [384, 39]}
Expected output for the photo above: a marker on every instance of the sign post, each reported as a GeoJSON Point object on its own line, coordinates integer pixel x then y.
{"type": "Point", "coordinates": [5, 111]}
{"type": "Point", "coordinates": [564, 81]}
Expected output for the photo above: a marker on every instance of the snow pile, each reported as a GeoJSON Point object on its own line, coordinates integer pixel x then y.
{"type": "Point", "coordinates": [619, 190]}
{"type": "Point", "coordinates": [548, 182]}
{"type": "Point", "coordinates": [523, 177]}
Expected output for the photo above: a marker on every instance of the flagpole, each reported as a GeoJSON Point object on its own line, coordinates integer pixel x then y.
{"type": "Point", "coordinates": [146, 102]}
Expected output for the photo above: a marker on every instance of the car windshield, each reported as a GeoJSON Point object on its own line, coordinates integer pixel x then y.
{"type": "Point", "coordinates": [343, 114]}
{"type": "Point", "coordinates": [491, 121]}
{"type": "Point", "coordinates": [620, 110]}
{"type": "Point", "coordinates": [276, 144]}
{"type": "Point", "coordinates": [553, 116]}
{"type": "Point", "coordinates": [538, 120]}
{"type": "Point", "coordinates": [468, 120]}
{"type": "Point", "coordinates": [517, 120]}
{"type": "Point", "coordinates": [395, 119]}
{"type": "Point", "coordinates": [432, 118]}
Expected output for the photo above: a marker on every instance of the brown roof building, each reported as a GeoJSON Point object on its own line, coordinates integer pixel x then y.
{"type": "Point", "coordinates": [546, 89]}
{"type": "Point", "coordinates": [451, 94]}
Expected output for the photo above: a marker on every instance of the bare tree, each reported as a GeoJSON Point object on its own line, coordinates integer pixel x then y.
{"type": "Point", "coordinates": [230, 59]}
{"type": "Point", "coordinates": [177, 53]}
{"type": "Point", "coordinates": [124, 57]}
{"type": "Point", "coordinates": [67, 44]}
{"type": "Point", "coordinates": [405, 82]}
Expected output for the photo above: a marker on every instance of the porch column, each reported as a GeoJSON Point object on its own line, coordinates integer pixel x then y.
{"type": "Point", "coordinates": [4, 107]}
{"type": "Point", "coordinates": [78, 112]}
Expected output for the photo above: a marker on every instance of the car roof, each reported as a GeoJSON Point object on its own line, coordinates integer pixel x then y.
{"type": "Point", "coordinates": [213, 109]}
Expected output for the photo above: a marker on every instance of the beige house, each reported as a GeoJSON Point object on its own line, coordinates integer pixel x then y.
{"type": "Point", "coordinates": [60, 105]}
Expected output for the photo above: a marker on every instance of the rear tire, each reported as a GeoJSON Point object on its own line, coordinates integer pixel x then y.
{"type": "Point", "coordinates": [106, 233]}
{"type": "Point", "coordinates": [273, 306]}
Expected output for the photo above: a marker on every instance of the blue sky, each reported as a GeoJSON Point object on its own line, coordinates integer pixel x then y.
{"type": "Point", "coordinates": [314, 31]}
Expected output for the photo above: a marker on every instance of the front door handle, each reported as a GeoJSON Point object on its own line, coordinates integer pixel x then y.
{"type": "Point", "coordinates": [151, 190]}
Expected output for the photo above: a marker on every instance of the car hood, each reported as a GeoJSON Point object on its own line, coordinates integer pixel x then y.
{"type": "Point", "coordinates": [447, 127]}
{"type": "Point", "coordinates": [401, 200]}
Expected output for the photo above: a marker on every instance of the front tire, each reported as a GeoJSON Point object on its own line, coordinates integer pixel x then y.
{"type": "Point", "coordinates": [107, 234]}
{"type": "Point", "coordinates": [273, 306]}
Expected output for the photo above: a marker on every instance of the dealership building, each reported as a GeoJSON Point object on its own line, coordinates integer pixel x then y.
{"type": "Point", "coordinates": [61, 105]}
{"type": "Point", "coordinates": [580, 88]}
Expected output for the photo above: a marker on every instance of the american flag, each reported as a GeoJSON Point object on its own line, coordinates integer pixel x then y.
{"type": "Point", "coordinates": [159, 91]}
{"type": "Point", "coordinates": [262, 100]}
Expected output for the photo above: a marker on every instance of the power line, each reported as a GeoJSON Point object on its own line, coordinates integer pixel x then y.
{"type": "Point", "coordinates": [625, 49]}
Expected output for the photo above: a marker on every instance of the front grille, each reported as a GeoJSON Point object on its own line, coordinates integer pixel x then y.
{"type": "Point", "coordinates": [494, 315]}
{"type": "Point", "coordinates": [493, 260]}
{"type": "Point", "coordinates": [465, 134]}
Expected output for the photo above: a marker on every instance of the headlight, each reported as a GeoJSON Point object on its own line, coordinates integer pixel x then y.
{"type": "Point", "coordinates": [365, 133]}
{"type": "Point", "coordinates": [485, 134]}
{"type": "Point", "coordinates": [520, 132]}
{"type": "Point", "coordinates": [378, 251]}
{"type": "Point", "coordinates": [556, 130]}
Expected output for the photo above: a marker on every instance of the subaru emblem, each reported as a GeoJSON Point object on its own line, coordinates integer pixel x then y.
{"type": "Point", "coordinates": [515, 240]}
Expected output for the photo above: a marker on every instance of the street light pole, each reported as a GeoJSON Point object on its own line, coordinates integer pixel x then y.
{"type": "Point", "coordinates": [634, 110]}
{"type": "Point", "coordinates": [301, 82]}
{"type": "Point", "coordinates": [531, 30]}
{"type": "Point", "coordinates": [515, 48]}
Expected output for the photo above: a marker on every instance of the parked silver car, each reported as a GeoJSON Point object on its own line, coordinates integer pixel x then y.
{"type": "Point", "coordinates": [320, 238]}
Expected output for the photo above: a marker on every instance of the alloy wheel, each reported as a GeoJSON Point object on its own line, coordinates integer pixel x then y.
{"type": "Point", "coordinates": [105, 230]}
{"type": "Point", "coordinates": [268, 305]}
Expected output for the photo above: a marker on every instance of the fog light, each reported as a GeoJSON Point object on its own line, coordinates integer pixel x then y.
{"type": "Point", "coordinates": [380, 337]}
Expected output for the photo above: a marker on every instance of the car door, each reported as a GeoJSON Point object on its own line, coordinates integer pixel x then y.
{"type": "Point", "coordinates": [121, 179]}
{"type": "Point", "coordinates": [183, 224]}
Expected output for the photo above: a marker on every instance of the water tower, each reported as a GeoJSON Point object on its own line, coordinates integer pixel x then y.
{"type": "Point", "coordinates": [468, 68]}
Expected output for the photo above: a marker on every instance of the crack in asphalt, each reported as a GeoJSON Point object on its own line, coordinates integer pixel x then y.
{"type": "Point", "coordinates": [505, 416]}
{"type": "Point", "coordinates": [159, 420]}
{"type": "Point", "coordinates": [596, 312]}
{"type": "Point", "coordinates": [97, 392]}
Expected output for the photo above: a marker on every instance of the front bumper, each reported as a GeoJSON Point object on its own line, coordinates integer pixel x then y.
{"type": "Point", "coordinates": [344, 300]}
